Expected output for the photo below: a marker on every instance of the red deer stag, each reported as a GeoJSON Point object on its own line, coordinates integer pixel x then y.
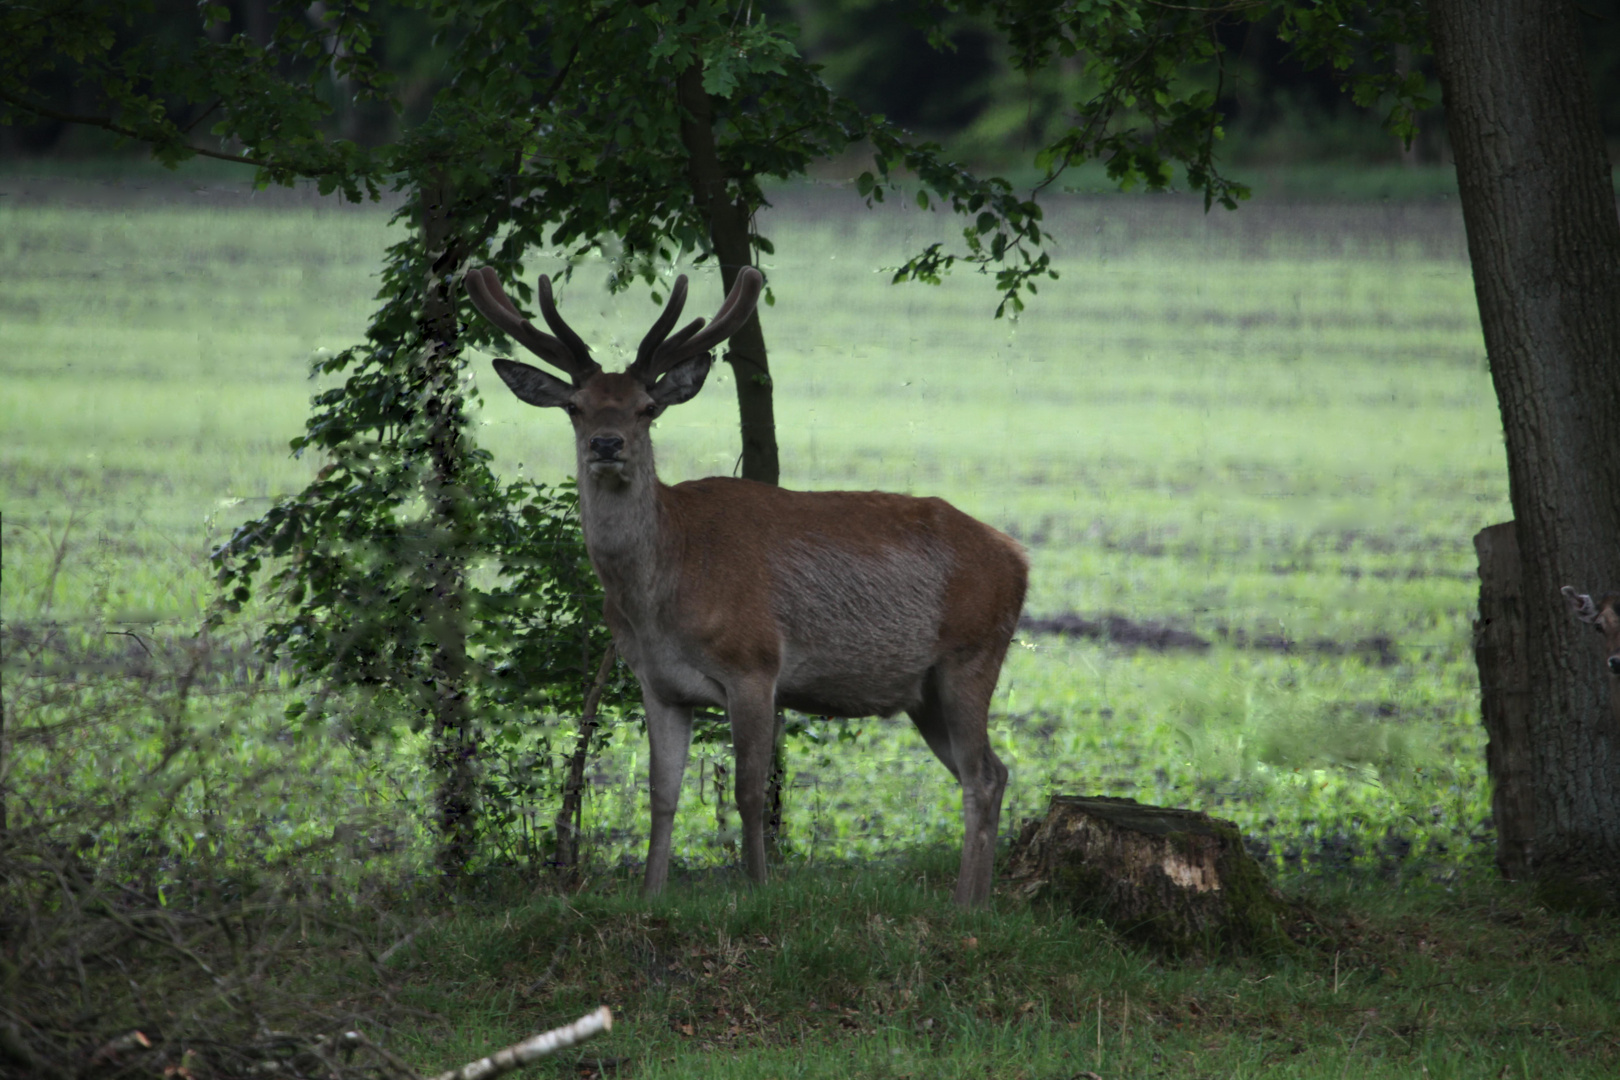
{"type": "Point", "coordinates": [739, 595]}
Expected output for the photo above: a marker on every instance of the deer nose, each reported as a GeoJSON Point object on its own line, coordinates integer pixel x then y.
{"type": "Point", "coordinates": [606, 447]}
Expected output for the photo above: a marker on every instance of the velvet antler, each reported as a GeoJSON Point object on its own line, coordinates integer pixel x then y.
{"type": "Point", "coordinates": [566, 351]}
{"type": "Point", "coordinates": [659, 352]}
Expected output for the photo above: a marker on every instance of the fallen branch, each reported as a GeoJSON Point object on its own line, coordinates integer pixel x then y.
{"type": "Point", "coordinates": [515, 1057]}
{"type": "Point", "coordinates": [388, 953]}
{"type": "Point", "coordinates": [550, 973]}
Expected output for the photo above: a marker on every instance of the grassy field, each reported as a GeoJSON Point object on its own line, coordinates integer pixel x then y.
{"type": "Point", "coordinates": [1273, 429]}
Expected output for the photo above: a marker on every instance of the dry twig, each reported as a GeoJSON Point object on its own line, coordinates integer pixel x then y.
{"type": "Point", "coordinates": [515, 1057]}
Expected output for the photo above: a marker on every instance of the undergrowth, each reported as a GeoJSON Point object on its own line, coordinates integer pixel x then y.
{"type": "Point", "coordinates": [862, 971]}
{"type": "Point", "coordinates": [171, 905]}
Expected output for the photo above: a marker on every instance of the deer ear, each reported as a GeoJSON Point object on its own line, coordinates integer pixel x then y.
{"type": "Point", "coordinates": [1580, 605]}
{"type": "Point", "coordinates": [681, 382]}
{"type": "Point", "coordinates": [533, 385]}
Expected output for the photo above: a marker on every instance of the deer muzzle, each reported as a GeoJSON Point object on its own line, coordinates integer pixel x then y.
{"type": "Point", "coordinates": [606, 447]}
{"type": "Point", "coordinates": [603, 460]}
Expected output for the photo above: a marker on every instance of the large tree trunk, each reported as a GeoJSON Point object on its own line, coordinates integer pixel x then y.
{"type": "Point", "coordinates": [1538, 202]}
{"type": "Point", "coordinates": [454, 753]}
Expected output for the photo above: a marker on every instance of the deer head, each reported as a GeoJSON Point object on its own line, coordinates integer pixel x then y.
{"type": "Point", "coordinates": [612, 413]}
{"type": "Point", "coordinates": [1603, 616]}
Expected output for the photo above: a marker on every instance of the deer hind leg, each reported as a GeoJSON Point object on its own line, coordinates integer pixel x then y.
{"type": "Point", "coordinates": [751, 707]}
{"type": "Point", "coordinates": [954, 720]}
{"type": "Point", "coordinates": [669, 735]}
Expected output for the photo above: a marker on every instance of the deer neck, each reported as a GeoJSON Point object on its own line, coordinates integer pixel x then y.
{"type": "Point", "coordinates": [622, 519]}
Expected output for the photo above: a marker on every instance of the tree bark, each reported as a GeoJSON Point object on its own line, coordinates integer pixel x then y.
{"type": "Point", "coordinates": [1504, 691]}
{"type": "Point", "coordinates": [1544, 239]}
{"type": "Point", "coordinates": [728, 231]}
{"type": "Point", "coordinates": [454, 753]}
{"type": "Point", "coordinates": [1176, 879]}
{"type": "Point", "coordinates": [570, 814]}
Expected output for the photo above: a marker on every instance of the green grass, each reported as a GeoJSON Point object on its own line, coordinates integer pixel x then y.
{"type": "Point", "coordinates": [1273, 423]}
{"type": "Point", "coordinates": [870, 973]}
{"type": "Point", "coordinates": [1269, 424]}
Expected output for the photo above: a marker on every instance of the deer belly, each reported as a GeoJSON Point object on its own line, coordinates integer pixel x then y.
{"type": "Point", "coordinates": [857, 689]}
{"type": "Point", "coordinates": [858, 629]}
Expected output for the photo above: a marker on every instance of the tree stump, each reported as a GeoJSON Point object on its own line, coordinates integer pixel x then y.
{"type": "Point", "coordinates": [1179, 880]}
{"type": "Point", "coordinates": [1503, 660]}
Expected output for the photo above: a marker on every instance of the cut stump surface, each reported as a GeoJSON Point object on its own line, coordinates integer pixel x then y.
{"type": "Point", "coordinates": [1176, 879]}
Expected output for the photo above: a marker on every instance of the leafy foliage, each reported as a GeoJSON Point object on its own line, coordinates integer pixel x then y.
{"type": "Point", "coordinates": [1154, 74]}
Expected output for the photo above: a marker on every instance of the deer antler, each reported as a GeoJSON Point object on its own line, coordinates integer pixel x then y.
{"type": "Point", "coordinates": [566, 351]}
{"type": "Point", "coordinates": [659, 352]}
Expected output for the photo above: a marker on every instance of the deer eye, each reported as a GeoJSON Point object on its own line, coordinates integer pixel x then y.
{"type": "Point", "coordinates": [571, 409]}
{"type": "Point", "coordinates": [650, 411]}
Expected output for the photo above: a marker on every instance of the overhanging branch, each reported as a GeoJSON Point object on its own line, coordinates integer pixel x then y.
{"type": "Point", "coordinates": [107, 123]}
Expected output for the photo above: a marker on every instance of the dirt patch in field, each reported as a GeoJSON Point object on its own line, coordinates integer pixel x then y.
{"type": "Point", "coordinates": [1378, 650]}
{"type": "Point", "coordinates": [1117, 630]}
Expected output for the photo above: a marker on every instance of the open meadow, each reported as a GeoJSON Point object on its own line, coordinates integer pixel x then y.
{"type": "Point", "coordinates": [1272, 430]}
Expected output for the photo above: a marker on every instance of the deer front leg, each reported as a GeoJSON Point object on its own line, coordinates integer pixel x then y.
{"type": "Point", "coordinates": [752, 709]}
{"type": "Point", "coordinates": [669, 736]}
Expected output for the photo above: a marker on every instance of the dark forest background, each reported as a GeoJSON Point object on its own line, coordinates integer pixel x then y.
{"type": "Point", "coordinates": [940, 73]}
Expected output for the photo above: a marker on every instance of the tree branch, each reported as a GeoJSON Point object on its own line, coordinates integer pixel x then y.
{"type": "Point", "coordinates": [107, 123]}
{"type": "Point", "coordinates": [515, 1057]}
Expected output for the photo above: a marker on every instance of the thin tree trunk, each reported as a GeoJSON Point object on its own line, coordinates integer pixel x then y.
{"type": "Point", "coordinates": [569, 815]}
{"type": "Point", "coordinates": [1538, 202]}
{"type": "Point", "coordinates": [776, 793]}
{"type": "Point", "coordinates": [455, 743]}
{"type": "Point", "coordinates": [257, 21]}
{"type": "Point", "coordinates": [728, 232]}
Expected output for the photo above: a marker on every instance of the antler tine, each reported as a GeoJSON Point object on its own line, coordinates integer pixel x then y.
{"type": "Point", "coordinates": [660, 329]}
{"type": "Point", "coordinates": [484, 287]}
{"type": "Point", "coordinates": [548, 308]}
{"type": "Point", "coordinates": [696, 338]}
